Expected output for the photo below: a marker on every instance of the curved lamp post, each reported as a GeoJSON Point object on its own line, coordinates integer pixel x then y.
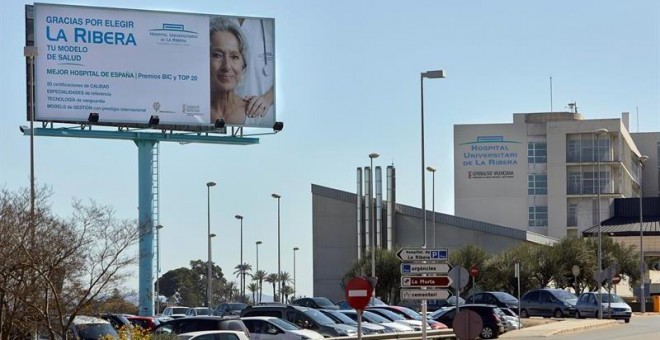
{"type": "Point", "coordinates": [294, 269]}
{"type": "Point", "coordinates": [642, 300]}
{"type": "Point", "coordinates": [240, 267]}
{"type": "Point", "coordinates": [598, 133]}
{"type": "Point", "coordinates": [432, 171]}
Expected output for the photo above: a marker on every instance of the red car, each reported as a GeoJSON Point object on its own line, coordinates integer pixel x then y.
{"type": "Point", "coordinates": [410, 315]}
{"type": "Point", "coordinates": [144, 322]}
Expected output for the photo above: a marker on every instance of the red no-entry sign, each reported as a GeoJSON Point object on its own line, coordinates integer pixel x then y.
{"type": "Point", "coordinates": [474, 271]}
{"type": "Point", "coordinates": [358, 292]}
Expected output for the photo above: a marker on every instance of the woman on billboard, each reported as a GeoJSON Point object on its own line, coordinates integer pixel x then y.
{"type": "Point", "coordinates": [228, 65]}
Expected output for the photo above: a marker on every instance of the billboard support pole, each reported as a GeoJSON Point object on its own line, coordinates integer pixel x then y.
{"type": "Point", "coordinates": [145, 225]}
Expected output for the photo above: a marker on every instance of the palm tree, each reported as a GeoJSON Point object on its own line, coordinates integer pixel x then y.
{"type": "Point", "coordinates": [259, 276]}
{"type": "Point", "coordinates": [253, 288]}
{"type": "Point", "coordinates": [230, 287]}
{"type": "Point", "coordinates": [286, 291]}
{"type": "Point", "coordinates": [273, 279]}
{"type": "Point", "coordinates": [241, 271]}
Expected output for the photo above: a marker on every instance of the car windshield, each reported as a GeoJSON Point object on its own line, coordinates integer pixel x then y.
{"type": "Point", "coordinates": [319, 317]}
{"type": "Point", "coordinates": [564, 295]}
{"type": "Point", "coordinates": [502, 296]}
{"type": "Point", "coordinates": [202, 311]}
{"type": "Point", "coordinates": [441, 312]}
{"type": "Point", "coordinates": [179, 310]}
{"type": "Point", "coordinates": [324, 302]}
{"type": "Point", "coordinates": [411, 313]}
{"type": "Point", "coordinates": [390, 315]}
{"type": "Point", "coordinates": [236, 306]}
{"type": "Point", "coordinates": [373, 317]}
{"type": "Point", "coordinates": [614, 298]}
{"type": "Point", "coordinates": [95, 330]}
{"type": "Point", "coordinates": [285, 325]}
{"type": "Point", "coordinates": [340, 318]}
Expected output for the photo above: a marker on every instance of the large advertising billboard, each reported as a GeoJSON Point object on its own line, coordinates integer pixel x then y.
{"type": "Point", "coordinates": [190, 70]}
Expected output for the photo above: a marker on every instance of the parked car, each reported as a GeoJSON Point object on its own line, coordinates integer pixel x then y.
{"type": "Point", "coordinates": [201, 323]}
{"type": "Point", "coordinates": [268, 327]}
{"type": "Point", "coordinates": [144, 322]}
{"type": "Point", "coordinates": [378, 320]}
{"type": "Point", "coordinates": [91, 328]}
{"type": "Point", "coordinates": [118, 321]}
{"type": "Point", "coordinates": [434, 305]}
{"type": "Point", "coordinates": [367, 327]}
{"type": "Point", "coordinates": [214, 335]}
{"type": "Point", "coordinates": [230, 308]}
{"type": "Point", "coordinates": [512, 318]}
{"type": "Point", "coordinates": [548, 303]}
{"type": "Point", "coordinates": [415, 324]}
{"type": "Point", "coordinates": [198, 311]}
{"type": "Point", "coordinates": [412, 315]}
{"type": "Point", "coordinates": [316, 303]}
{"type": "Point", "coordinates": [499, 299]}
{"type": "Point", "coordinates": [175, 311]}
{"type": "Point", "coordinates": [493, 325]}
{"type": "Point", "coordinates": [303, 317]}
{"type": "Point", "coordinates": [373, 302]}
{"type": "Point", "coordinates": [613, 306]}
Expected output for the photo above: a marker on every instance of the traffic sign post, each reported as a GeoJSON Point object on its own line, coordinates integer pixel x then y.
{"type": "Point", "coordinates": [358, 293]}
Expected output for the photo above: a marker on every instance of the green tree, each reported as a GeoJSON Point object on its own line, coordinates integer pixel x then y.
{"type": "Point", "coordinates": [253, 287]}
{"type": "Point", "coordinates": [286, 291]}
{"type": "Point", "coordinates": [260, 276]}
{"type": "Point", "coordinates": [466, 257]}
{"type": "Point", "coordinates": [241, 271]}
{"type": "Point", "coordinates": [189, 284]}
{"type": "Point", "coordinates": [272, 279]}
{"type": "Point", "coordinates": [388, 271]}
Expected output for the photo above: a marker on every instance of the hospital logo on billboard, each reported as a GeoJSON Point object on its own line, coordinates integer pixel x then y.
{"type": "Point", "coordinates": [173, 34]}
{"type": "Point", "coordinates": [490, 151]}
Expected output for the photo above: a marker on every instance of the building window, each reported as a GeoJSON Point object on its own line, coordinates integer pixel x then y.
{"type": "Point", "coordinates": [572, 220]}
{"type": "Point", "coordinates": [538, 216]}
{"type": "Point", "coordinates": [537, 152]}
{"type": "Point", "coordinates": [588, 150]}
{"type": "Point", "coordinates": [587, 182]}
{"type": "Point", "coordinates": [537, 184]}
{"type": "Point", "coordinates": [571, 232]}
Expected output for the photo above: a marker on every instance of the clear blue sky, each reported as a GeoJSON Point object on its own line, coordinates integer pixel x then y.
{"type": "Point", "coordinates": [348, 85]}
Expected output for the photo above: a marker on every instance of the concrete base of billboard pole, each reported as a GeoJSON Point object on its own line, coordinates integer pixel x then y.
{"type": "Point", "coordinates": [146, 225]}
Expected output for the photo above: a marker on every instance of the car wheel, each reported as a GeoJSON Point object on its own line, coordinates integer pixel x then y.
{"type": "Point", "coordinates": [524, 314]}
{"type": "Point", "coordinates": [577, 314]}
{"type": "Point", "coordinates": [627, 320]}
{"type": "Point", "coordinates": [558, 314]}
{"type": "Point", "coordinates": [487, 333]}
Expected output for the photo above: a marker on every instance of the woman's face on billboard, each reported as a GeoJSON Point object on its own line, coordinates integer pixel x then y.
{"type": "Point", "coordinates": [226, 61]}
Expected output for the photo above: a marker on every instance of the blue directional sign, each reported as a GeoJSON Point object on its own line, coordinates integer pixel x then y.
{"type": "Point", "coordinates": [425, 268]}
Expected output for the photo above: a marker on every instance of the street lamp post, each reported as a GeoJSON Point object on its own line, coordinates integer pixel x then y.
{"type": "Point", "coordinates": [240, 266]}
{"type": "Point", "coordinates": [432, 171]}
{"type": "Point", "coordinates": [294, 269]}
{"type": "Point", "coordinates": [599, 132]}
{"type": "Point", "coordinates": [158, 228]}
{"type": "Point", "coordinates": [279, 270]}
{"type": "Point", "coordinates": [642, 300]}
{"type": "Point", "coordinates": [431, 75]}
{"type": "Point", "coordinates": [372, 223]}
{"type": "Point", "coordinates": [209, 267]}
{"type": "Point", "coordinates": [257, 245]}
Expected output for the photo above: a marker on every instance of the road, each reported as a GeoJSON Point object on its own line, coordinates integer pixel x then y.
{"type": "Point", "coordinates": [639, 328]}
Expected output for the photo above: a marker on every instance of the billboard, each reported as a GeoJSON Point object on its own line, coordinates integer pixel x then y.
{"type": "Point", "coordinates": [190, 70]}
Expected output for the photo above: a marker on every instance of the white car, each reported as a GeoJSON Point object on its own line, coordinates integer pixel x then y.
{"type": "Point", "coordinates": [175, 312]}
{"type": "Point", "coordinates": [213, 335]}
{"type": "Point", "coordinates": [268, 327]}
{"type": "Point", "coordinates": [378, 320]}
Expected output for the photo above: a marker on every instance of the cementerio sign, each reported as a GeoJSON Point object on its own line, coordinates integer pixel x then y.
{"type": "Point", "coordinates": [128, 65]}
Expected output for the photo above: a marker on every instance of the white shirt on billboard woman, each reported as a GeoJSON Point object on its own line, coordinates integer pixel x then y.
{"type": "Point", "coordinates": [259, 78]}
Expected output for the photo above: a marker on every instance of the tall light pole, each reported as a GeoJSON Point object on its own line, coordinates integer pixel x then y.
{"type": "Point", "coordinates": [372, 223]}
{"type": "Point", "coordinates": [240, 266]}
{"type": "Point", "coordinates": [642, 300]}
{"type": "Point", "coordinates": [431, 75]}
{"type": "Point", "coordinates": [209, 267]}
{"type": "Point", "coordinates": [294, 269]}
{"type": "Point", "coordinates": [599, 132]}
{"type": "Point", "coordinates": [158, 228]}
{"type": "Point", "coordinates": [257, 246]}
{"type": "Point", "coordinates": [432, 171]}
{"type": "Point", "coordinates": [279, 270]}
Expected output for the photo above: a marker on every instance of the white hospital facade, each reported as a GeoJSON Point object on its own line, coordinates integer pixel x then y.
{"type": "Point", "coordinates": [542, 173]}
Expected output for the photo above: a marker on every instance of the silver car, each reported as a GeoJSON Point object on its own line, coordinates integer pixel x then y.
{"type": "Point", "coordinates": [613, 306]}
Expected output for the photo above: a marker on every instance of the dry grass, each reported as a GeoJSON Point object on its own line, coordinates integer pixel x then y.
{"type": "Point", "coordinates": [531, 322]}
